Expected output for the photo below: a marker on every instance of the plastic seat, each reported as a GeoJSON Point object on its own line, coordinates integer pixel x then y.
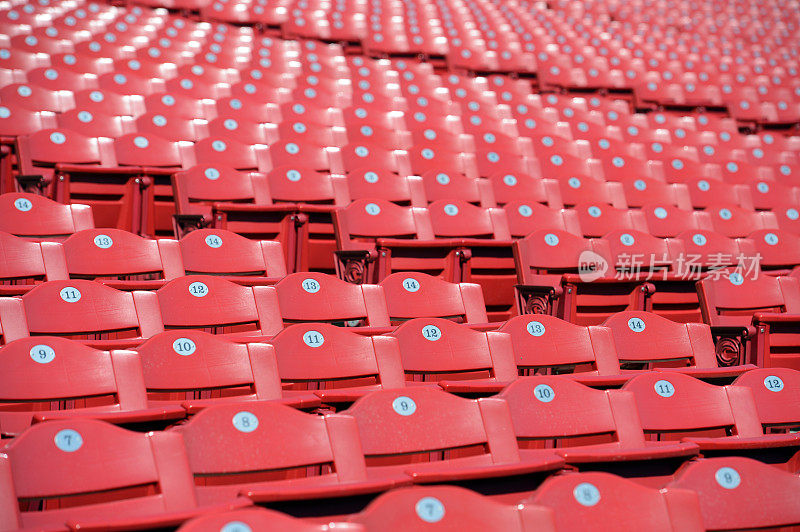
{"type": "Point", "coordinates": [526, 217]}
{"type": "Point", "coordinates": [731, 493]}
{"type": "Point", "coordinates": [122, 260]}
{"type": "Point", "coordinates": [576, 190]}
{"type": "Point", "coordinates": [459, 358]}
{"type": "Point", "coordinates": [259, 519]}
{"type": "Point", "coordinates": [232, 256]}
{"type": "Point", "coordinates": [776, 396]}
{"type": "Point", "coordinates": [296, 154]}
{"type": "Point", "coordinates": [422, 508]}
{"type": "Point", "coordinates": [47, 377]}
{"type": "Point", "coordinates": [727, 423]}
{"type": "Point", "coordinates": [229, 152]}
{"type": "Point", "coordinates": [418, 295]}
{"type": "Point", "coordinates": [597, 218]}
{"type": "Point", "coordinates": [735, 222]}
{"type": "Point", "coordinates": [443, 185]}
{"type": "Point", "coordinates": [193, 369]}
{"type": "Point", "coordinates": [98, 315]}
{"type": "Point", "coordinates": [36, 98]}
{"type": "Point", "coordinates": [379, 183]}
{"type": "Point", "coordinates": [446, 439]}
{"type": "Point", "coordinates": [545, 344]}
{"type": "Point", "coordinates": [667, 221]}
{"type": "Point", "coordinates": [511, 187]}
{"type": "Point", "coordinates": [312, 297]}
{"type": "Point", "coordinates": [657, 342]}
{"type": "Point", "coordinates": [176, 105]}
{"type": "Point", "coordinates": [210, 303]}
{"type": "Point", "coordinates": [752, 317]}
{"type": "Point", "coordinates": [24, 264]}
{"type": "Point", "coordinates": [108, 103]}
{"type": "Point", "coordinates": [271, 452]}
{"type": "Point", "coordinates": [779, 250]}
{"type": "Point", "coordinates": [169, 127]}
{"type": "Point", "coordinates": [595, 500]}
{"type": "Point", "coordinates": [112, 460]}
{"type": "Point", "coordinates": [564, 275]}
{"type": "Point", "coordinates": [589, 427]}
{"type": "Point", "coordinates": [334, 363]}
{"type": "Point", "coordinates": [640, 191]}
{"type": "Point", "coordinates": [769, 195]}
{"type": "Point", "coordinates": [788, 217]}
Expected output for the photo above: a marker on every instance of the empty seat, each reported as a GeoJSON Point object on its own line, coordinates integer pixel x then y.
{"type": "Point", "coordinates": [122, 260]}
{"type": "Point", "coordinates": [24, 264]}
{"type": "Point", "coordinates": [98, 315]}
{"type": "Point", "coordinates": [229, 255]}
{"type": "Point", "coordinates": [596, 219]}
{"type": "Point", "coordinates": [38, 218]}
{"type": "Point", "coordinates": [419, 295]}
{"type": "Point", "coordinates": [600, 501]}
{"type": "Point", "coordinates": [588, 427]}
{"type": "Point", "coordinates": [334, 363]}
{"type": "Point", "coordinates": [740, 494]}
{"type": "Point", "coordinates": [777, 396]}
{"type": "Point", "coordinates": [256, 519]}
{"type": "Point", "coordinates": [218, 306]}
{"type": "Point", "coordinates": [526, 217]}
{"type": "Point", "coordinates": [544, 344]}
{"type": "Point", "coordinates": [147, 477]}
{"type": "Point", "coordinates": [310, 296]}
{"type": "Point", "coordinates": [667, 221]}
{"type": "Point", "coordinates": [779, 250]}
{"type": "Point", "coordinates": [752, 317]}
{"type": "Point", "coordinates": [379, 183]}
{"type": "Point", "coordinates": [422, 508]}
{"type": "Point", "coordinates": [669, 409]}
{"type": "Point", "coordinates": [734, 221]}
{"type": "Point", "coordinates": [459, 358]}
{"type": "Point", "coordinates": [446, 438]}
{"type": "Point", "coordinates": [272, 452]}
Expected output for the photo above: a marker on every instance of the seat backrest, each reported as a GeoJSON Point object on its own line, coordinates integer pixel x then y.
{"type": "Point", "coordinates": [777, 395]}
{"type": "Point", "coordinates": [419, 295]}
{"type": "Point", "coordinates": [270, 440]}
{"type": "Point", "coordinates": [541, 341]}
{"type": "Point", "coordinates": [221, 252]}
{"type": "Point", "coordinates": [79, 308]}
{"type": "Point", "coordinates": [596, 501]}
{"type": "Point", "coordinates": [311, 296]}
{"type": "Point", "coordinates": [118, 254]}
{"type": "Point", "coordinates": [40, 218]}
{"type": "Point", "coordinates": [734, 221]}
{"type": "Point", "coordinates": [422, 508]}
{"type": "Point", "coordinates": [732, 297]}
{"type": "Point", "coordinates": [525, 217]}
{"type": "Point", "coordinates": [636, 252]}
{"type": "Point", "coordinates": [709, 249]}
{"type": "Point", "coordinates": [664, 220]}
{"type": "Point", "coordinates": [86, 461]}
{"type": "Point", "coordinates": [551, 251]}
{"type": "Point", "coordinates": [671, 402]}
{"type": "Point", "coordinates": [290, 184]}
{"type": "Point", "coordinates": [737, 493]}
{"type": "Point", "coordinates": [597, 219]}
{"type": "Point", "coordinates": [457, 218]}
{"type": "Point", "coordinates": [328, 356]}
{"type": "Point", "coordinates": [646, 337]}
{"type": "Point", "coordinates": [436, 348]}
{"type": "Point", "coordinates": [219, 306]}
{"type": "Point", "coordinates": [379, 183]}
{"type": "Point", "coordinates": [180, 364]}
{"type": "Point", "coordinates": [369, 219]}
{"type": "Point", "coordinates": [430, 420]}
{"type": "Point", "coordinates": [778, 248]}
{"type": "Point", "coordinates": [147, 149]}
{"type": "Point", "coordinates": [555, 408]}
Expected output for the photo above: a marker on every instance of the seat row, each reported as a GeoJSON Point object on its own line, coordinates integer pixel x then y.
{"type": "Point", "coordinates": [267, 453]}
{"type": "Point", "coordinates": [315, 362]}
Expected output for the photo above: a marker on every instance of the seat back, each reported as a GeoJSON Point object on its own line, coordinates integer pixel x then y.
{"type": "Point", "coordinates": [777, 395]}
{"type": "Point", "coordinates": [732, 297]}
{"type": "Point", "coordinates": [190, 364]}
{"type": "Point", "coordinates": [738, 493]}
{"type": "Point", "coordinates": [221, 252]}
{"type": "Point", "coordinates": [419, 295]}
{"type": "Point", "coordinates": [23, 262]}
{"type": "Point", "coordinates": [546, 343]}
{"type": "Point", "coordinates": [39, 218]}
{"type": "Point", "coordinates": [321, 356]}
{"type": "Point", "coordinates": [435, 349]}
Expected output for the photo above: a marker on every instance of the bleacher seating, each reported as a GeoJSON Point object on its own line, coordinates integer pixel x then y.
{"type": "Point", "coordinates": [263, 264]}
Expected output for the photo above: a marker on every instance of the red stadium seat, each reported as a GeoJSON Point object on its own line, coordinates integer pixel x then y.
{"type": "Point", "coordinates": [779, 250]}
{"type": "Point", "coordinates": [776, 395]}
{"type": "Point", "coordinates": [258, 519]}
{"type": "Point", "coordinates": [739, 493]}
{"type": "Point", "coordinates": [24, 264]}
{"type": "Point", "coordinates": [592, 501]}
{"type": "Point", "coordinates": [418, 295]}
{"type": "Point", "coordinates": [111, 460]}
{"type": "Point", "coordinates": [459, 358]}
{"type": "Point", "coordinates": [80, 309]}
{"type": "Point", "coordinates": [334, 363]}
